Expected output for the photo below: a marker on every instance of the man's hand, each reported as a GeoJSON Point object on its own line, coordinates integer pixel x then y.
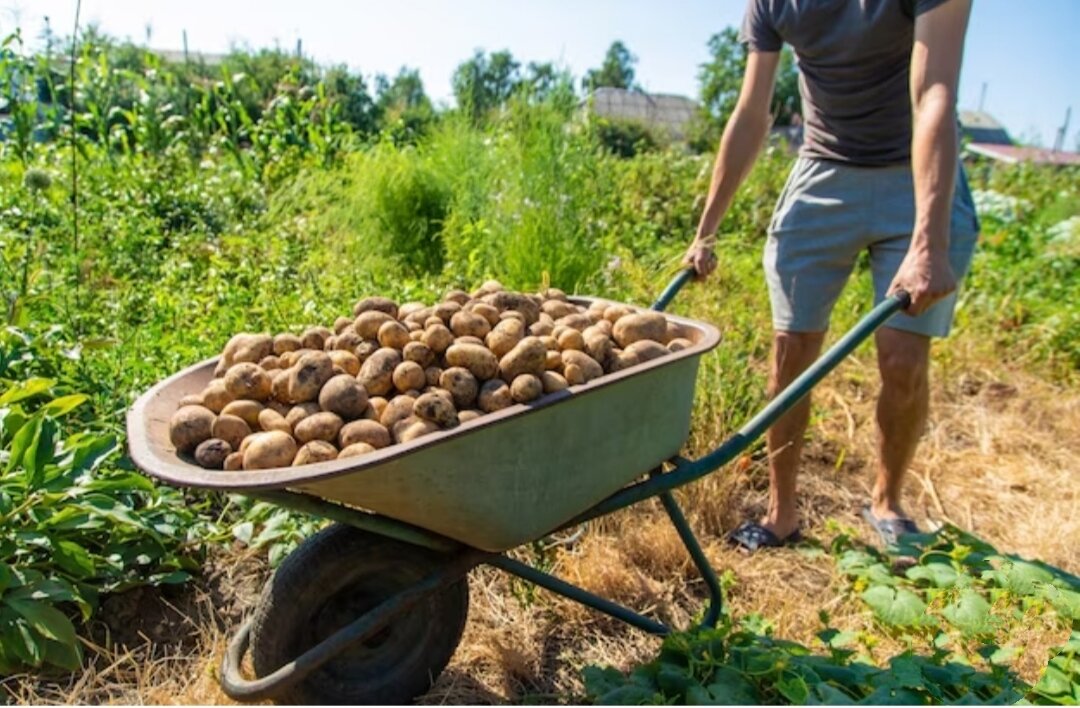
{"type": "Point", "coordinates": [700, 256]}
{"type": "Point", "coordinates": [926, 276]}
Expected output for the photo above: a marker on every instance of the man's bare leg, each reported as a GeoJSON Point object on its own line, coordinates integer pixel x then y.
{"type": "Point", "coordinates": [792, 353]}
{"type": "Point", "coordinates": [904, 362]}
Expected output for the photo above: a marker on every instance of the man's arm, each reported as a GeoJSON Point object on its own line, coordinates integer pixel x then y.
{"type": "Point", "coordinates": [740, 144]}
{"type": "Point", "coordinates": [925, 273]}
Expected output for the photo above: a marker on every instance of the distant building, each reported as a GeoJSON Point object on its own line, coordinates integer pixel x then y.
{"type": "Point", "coordinates": [986, 138]}
{"type": "Point", "coordinates": [663, 112]}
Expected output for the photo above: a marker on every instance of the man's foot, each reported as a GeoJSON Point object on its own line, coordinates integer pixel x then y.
{"type": "Point", "coordinates": [889, 525]}
{"type": "Point", "coordinates": [751, 536]}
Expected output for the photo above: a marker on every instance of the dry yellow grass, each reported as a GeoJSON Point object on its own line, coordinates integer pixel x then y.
{"type": "Point", "coordinates": [999, 458]}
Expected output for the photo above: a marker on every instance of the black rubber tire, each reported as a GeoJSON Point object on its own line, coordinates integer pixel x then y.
{"type": "Point", "coordinates": [329, 581]}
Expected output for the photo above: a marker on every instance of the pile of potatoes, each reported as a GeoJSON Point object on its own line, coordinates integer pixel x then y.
{"type": "Point", "coordinates": [391, 373]}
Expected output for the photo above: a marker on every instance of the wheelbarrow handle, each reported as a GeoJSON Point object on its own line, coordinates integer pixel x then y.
{"type": "Point", "coordinates": [673, 289]}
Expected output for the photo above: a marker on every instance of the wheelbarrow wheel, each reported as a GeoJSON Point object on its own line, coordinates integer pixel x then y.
{"type": "Point", "coordinates": [330, 580]}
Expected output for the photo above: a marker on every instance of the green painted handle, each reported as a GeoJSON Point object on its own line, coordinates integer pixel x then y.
{"type": "Point", "coordinates": [673, 289]}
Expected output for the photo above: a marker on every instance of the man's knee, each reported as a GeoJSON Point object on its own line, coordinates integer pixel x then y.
{"type": "Point", "coordinates": [904, 360]}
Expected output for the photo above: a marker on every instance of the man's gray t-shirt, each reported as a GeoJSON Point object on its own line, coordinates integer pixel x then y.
{"type": "Point", "coordinates": [854, 62]}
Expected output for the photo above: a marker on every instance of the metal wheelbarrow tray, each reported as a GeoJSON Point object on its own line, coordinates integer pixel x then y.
{"type": "Point", "coordinates": [370, 609]}
{"type": "Point", "coordinates": [493, 483]}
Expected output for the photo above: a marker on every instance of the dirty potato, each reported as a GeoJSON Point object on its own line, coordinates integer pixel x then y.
{"type": "Point", "coordinates": [190, 426]}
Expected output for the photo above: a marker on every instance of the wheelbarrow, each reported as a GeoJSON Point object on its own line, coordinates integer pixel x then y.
{"type": "Point", "coordinates": [371, 608]}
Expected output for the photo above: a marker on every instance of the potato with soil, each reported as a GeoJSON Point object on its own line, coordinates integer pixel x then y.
{"type": "Point", "coordinates": [247, 347]}
{"type": "Point", "coordinates": [355, 450]}
{"type": "Point", "coordinates": [297, 413]}
{"type": "Point", "coordinates": [369, 432]}
{"type": "Point", "coordinates": [526, 388]}
{"type": "Point", "coordinates": [247, 381]}
{"type": "Point", "coordinates": [231, 429]}
{"type": "Point", "coordinates": [368, 323]}
{"type": "Point", "coordinates": [467, 415]}
{"type": "Point", "coordinates": [505, 336]}
{"type": "Point", "coordinates": [529, 356]}
{"type": "Point", "coordinates": [437, 337]}
{"type": "Point", "coordinates": [346, 361]}
{"type": "Point", "coordinates": [269, 419]}
{"type": "Point", "coordinates": [517, 302]}
{"type": "Point", "coordinates": [399, 408]}
{"type": "Point", "coordinates": [377, 373]}
{"type": "Point", "coordinates": [212, 453]}
{"type": "Point", "coordinates": [190, 426]}
{"type": "Point", "coordinates": [283, 343]}
{"type": "Point", "coordinates": [469, 324]}
{"type": "Point", "coordinates": [268, 450]}
{"type": "Point", "coordinates": [345, 396]}
{"type": "Point", "coordinates": [478, 359]}
{"type": "Point", "coordinates": [679, 344]}
{"type": "Point", "coordinates": [315, 337]}
{"type": "Point", "coordinates": [552, 382]}
{"type": "Point", "coordinates": [462, 385]}
{"type": "Point", "coordinates": [248, 411]}
{"type": "Point", "coordinates": [320, 426]}
{"type": "Point", "coordinates": [588, 366]}
{"type": "Point", "coordinates": [307, 378]}
{"type": "Point", "coordinates": [409, 376]}
{"type": "Point", "coordinates": [437, 409]}
{"type": "Point", "coordinates": [315, 451]}
{"type": "Point", "coordinates": [216, 396]}
{"type": "Point", "coordinates": [394, 335]}
{"type": "Point", "coordinates": [413, 428]}
{"type": "Point", "coordinates": [419, 353]}
{"type": "Point", "coordinates": [376, 304]}
{"type": "Point", "coordinates": [647, 350]}
{"type": "Point", "coordinates": [494, 396]}
{"type": "Point", "coordinates": [234, 461]}
{"type": "Point", "coordinates": [644, 325]}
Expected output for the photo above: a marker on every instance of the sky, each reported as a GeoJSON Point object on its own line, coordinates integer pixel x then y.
{"type": "Point", "coordinates": [1026, 54]}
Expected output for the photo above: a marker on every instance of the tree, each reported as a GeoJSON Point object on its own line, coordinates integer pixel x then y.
{"type": "Point", "coordinates": [485, 82]}
{"type": "Point", "coordinates": [350, 92]}
{"type": "Point", "coordinates": [402, 105]}
{"type": "Point", "coordinates": [721, 79]}
{"type": "Point", "coordinates": [617, 71]}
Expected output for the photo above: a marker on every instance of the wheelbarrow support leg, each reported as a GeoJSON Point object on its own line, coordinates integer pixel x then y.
{"type": "Point", "coordinates": [716, 599]}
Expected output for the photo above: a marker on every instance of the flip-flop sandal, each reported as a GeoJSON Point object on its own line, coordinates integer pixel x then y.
{"type": "Point", "coordinates": [890, 530]}
{"type": "Point", "coordinates": [751, 536]}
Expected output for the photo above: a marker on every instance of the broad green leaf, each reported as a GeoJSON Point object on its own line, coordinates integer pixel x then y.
{"type": "Point", "coordinates": [45, 619]}
{"type": "Point", "coordinates": [1060, 681]}
{"type": "Point", "coordinates": [793, 688]}
{"type": "Point", "coordinates": [1066, 602]}
{"type": "Point", "coordinates": [898, 607]}
{"type": "Point", "coordinates": [905, 672]}
{"type": "Point", "coordinates": [22, 441]}
{"type": "Point", "coordinates": [66, 656]}
{"type": "Point", "coordinates": [939, 575]}
{"type": "Point", "coordinates": [6, 577]}
{"type": "Point", "coordinates": [732, 692]}
{"type": "Point", "coordinates": [243, 531]}
{"type": "Point", "coordinates": [73, 559]}
{"type": "Point", "coordinates": [886, 696]}
{"type": "Point", "coordinates": [22, 642]}
{"type": "Point", "coordinates": [628, 695]}
{"type": "Point", "coordinates": [40, 452]}
{"type": "Point", "coordinates": [90, 454]}
{"type": "Point", "coordinates": [65, 404]}
{"type": "Point", "coordinates": [1020, 577]}
{"type": "Point", "coordinates": [970, 613]}
{"type": "Point", "coordinates": [25, 389]}
{"type": "Point", "coordinates": [827, 695]}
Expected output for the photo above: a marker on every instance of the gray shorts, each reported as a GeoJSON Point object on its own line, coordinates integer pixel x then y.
{"type": "Point", "coordinates": [827, 215]}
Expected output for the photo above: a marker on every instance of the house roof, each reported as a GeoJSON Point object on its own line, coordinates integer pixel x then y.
{"type": "Point", "coordinates": [1014, 154]}
{"type": "Point", "coordinates": [980, 127]}
{"type": "Point", "coordinates": [668, 111]}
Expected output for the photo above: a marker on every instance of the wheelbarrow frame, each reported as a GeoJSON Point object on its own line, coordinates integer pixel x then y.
{"type": "Point", "coordinates": [463, 558]}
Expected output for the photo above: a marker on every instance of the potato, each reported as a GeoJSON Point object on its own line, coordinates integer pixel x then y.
{"type": "Point", "coordinates": [559, 308]}
{"type": "Point", "coordinates": [270, 419]}
{"type": "Point", "coordinates": [192, 399]}
{"type": "Point", "coordinates": [432, 375]}
{"type": "Point", "coordinates": [379, 404]}
{"type": "Point", "coordinates": [234, 461]}
{"type": "Point", "coordinates": [622, 360]}
{"type": "Point", "coordinates": [270, 362]}
{"type": "Point", "coordinates": [469, 324]}
{"type": "Point", "coordinates": [369, 432]}
{"type": "Point", "coordinates": [320, 426]}
{"type": "Point", "coordinates": [355, 450]}
{"type": "Point", "coordinates": [418, 315]}
{"type": "Point", "coordinates": [315, 337]}
{"type": "Point", "coordinates": [492, 286]}
{"type": "Point", "coordinates": [438, 409]}
{"type": "Point", "coordinates": [399, 408]}
{"type": "Point", "coordinates": [330, 344]}
{"type": "Point", "coordinates": [368, 323]}
{"type": "Point", "coordinates": [552, 382]}
{"type": "Point", "coordinates": [503, 301]}
{"type": "Point", "coordinates": [550, 342]}
{"type": "Point", "coordinates": [595, 317]}
{"type": "Point", "coordinates": [678, 344]}
{"type": "Point", "coordinates": [376, 304]}
{"type": "Point", "coordinates": [247, 381]}
{"type": "Point", "coordinates": [394, 335]}
{"type": "Point", "coordinates": [308, 376]}
{"type": "Point", "coordinates": [459, 296]}
{"type": "Point", "coordinates": [647, 350]}
{"type": "Point", "coordinates": [315, 451]}
{"type": "Point", "coordinates": [488, 312]}
{"type": "Point", "coordinates": [300, 411]}
{"type": "Point", "coordinates": [408, 376]}
{"type": "Point", "coordinates": [604, 326]}
{"type": "Point", "coordinates": [268, 450]}
{"type": "Point", "coordinates": [279, 385]}
{"type": "Point", "coordinates": [438, 338]}
{"type": "Point", "coordinates": [526, 388]}
{"type": "Point", "coordinates": [231, 429]}
{"type": "Point", "coordinates": [494, 395]}
{"type": "Point", "coordinates": [247, 347]}
{"type": "Point", "coordinates": [552, 294]}
{"type": "Point", "coordinates": [216, 396]}
{"type": "Point", "coordinates": [220, 369]}
{"type": "Point", "coordinates": [589, 366]}
{"type": "Point", "coordinates": [286, 343]}
{"type": "Point", "coordinates": [445, 311]}
{"type": "Point", "coordinates": [211, 453]}
{"type": "Point", "coordinates": [342, 324]}
{"type": "Point", "coordinates": [578, 322]}
{"type": "Point", "coordinates": [377, 373]}
{"type": "Point", "coordinates": [414, 429]}
{"type": "Point", "coordinates": [419, 353]}
{"type": "Point", "coordinates": [346, 360]}
{"type": "Point", "coordinates": [529, 356]}
{"type": "Point", "coordinates": [479, 360]}
{"type": "Point", "coordinates": [344, 396]}
{"type": "Point", "coordinates": [552, 360]}
{"type": "Point", "coordinates": [614, 312]}
{"type": "Point", "coordinates": [467, 415]}
{"type": "Point", "coordinates": [512, 315]}
{"type": "Point", "coordinates": [541, 328]}
{"type": "Point", "coordinates": [278, 407]}
{"type": "Point", "coordinates": [416, 333]}
{"type": "Point", "coordinates": [505, 336]}
{"type": "Point", "coordinates": [462, 385]}
{"type": "Point", "coordinates": [597, 345]}
{"type": "Point", "coordinates": [574, 374]}
{"type": "Point", "coordinates": [571, 339]}
{"type": "Point", "coordinates": [190, 426]}
{"type": "Point", "coordinates": [644, 325]}
{"type": "Point", "coordinates": [347, 340]}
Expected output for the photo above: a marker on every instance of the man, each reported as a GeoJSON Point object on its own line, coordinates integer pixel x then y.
{"type": "Point", "coordinates": [878, 172]}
